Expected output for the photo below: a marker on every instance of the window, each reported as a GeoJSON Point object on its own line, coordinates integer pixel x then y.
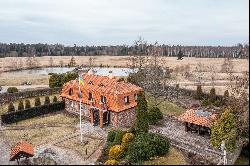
{"type": "Point", "coordinates": [103, 99]}
{"type": "Point", "coordinates": [72, 104]}
{"type": "Point", "coordinates": [135, 95]}
{"type": "Point", "coordinates": [70, 91]}
{"type": "Point", "coordinates": [90, 96]}
{"type": "Point", "coordinates": [126, 99]}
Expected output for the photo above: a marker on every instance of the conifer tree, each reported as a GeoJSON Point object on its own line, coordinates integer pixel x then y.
{"type": "Point", "coordinates": [20, 105]}
{"type": "Point", "coordinates": [142, 114]}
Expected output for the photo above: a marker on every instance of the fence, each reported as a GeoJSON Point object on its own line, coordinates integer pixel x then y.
{"type": "Point", "coordinates": [15, 116]}
{"type": "Point", "coordinates": [8, 97]}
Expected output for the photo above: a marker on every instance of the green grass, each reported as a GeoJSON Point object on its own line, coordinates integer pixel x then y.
{"type": "Point", "coordinates": [173, 157]}
{"type": "Point", "coordinates": [166, 107]}
{"type": "Point", "coordinates": [4, 107]}
{"type": "Point", "coordinates": [242, 160]}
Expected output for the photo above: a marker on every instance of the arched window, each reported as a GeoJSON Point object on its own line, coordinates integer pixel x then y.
{"type": "Point", "coordinates": [70, 91]}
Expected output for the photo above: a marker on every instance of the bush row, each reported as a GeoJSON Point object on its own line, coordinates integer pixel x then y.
{"type": "Point", "coordinates": [12, 117]}
{"type": "Point", "coordinates": [27, 103]}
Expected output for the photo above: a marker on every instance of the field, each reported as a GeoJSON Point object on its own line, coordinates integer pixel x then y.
{"type": "Point", "coordinates": [4, 107]}
{"type": "Point", "coordinates": [187, 64]}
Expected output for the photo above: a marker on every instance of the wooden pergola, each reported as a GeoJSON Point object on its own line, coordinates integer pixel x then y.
{"type": "Point", "coordinates": [197, 120]}
{"type": "Point", "coordinates": [23, 149]}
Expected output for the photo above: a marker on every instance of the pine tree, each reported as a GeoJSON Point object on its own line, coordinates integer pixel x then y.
{"type": "Point", "coordinates": [55, 99]}
{"type": "Point", "coordinates": [141, 114]}
{"type": "Point", "coordinates": [11, 107]}
{"type": "Point", "coordinates": [27, 104]}
{"type": "Point", "coordinates": [37, 101]}
{"type": "Point", "coordinates": [199, 93]}
{"type": "Point", "coordinates": [47, 100]}
{"type": "Point", "coordinates": [20, 105]}
{"type": "Point", "coordinates": [224, 128]}
{"type": "Point", "coordinates": [212, 95]}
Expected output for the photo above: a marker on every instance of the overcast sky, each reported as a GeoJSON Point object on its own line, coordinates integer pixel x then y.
{"type": "Point", "coordinates": [115, 22]}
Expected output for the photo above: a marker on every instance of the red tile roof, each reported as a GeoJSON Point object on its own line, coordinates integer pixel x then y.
{"type": "Point", "coordinates": [111, 88]}
{"type": "Point", "coordinates": [191, 117]}
{"type": "Point", "coordinates": [21, 147]}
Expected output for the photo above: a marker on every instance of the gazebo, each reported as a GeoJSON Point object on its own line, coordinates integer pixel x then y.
{"type": "Point", "coordinates": [197, 120]}
{"type": "Point", "coordinates": [23, 149]}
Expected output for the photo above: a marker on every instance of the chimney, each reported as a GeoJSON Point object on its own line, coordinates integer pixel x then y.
{"type": "Point", "coordinates": [90, 72]}
{"type": "Point", "coordinates": [111, 74]}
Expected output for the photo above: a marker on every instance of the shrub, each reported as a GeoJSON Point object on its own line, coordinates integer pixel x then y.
{"type": "Point", "coordinates": [37, 101]}
{"type": "Point", "coordinates": [199, 92]}
{"type": "Point", "coordinates": [147, 145]}
{"type": "Point", "coordinates": [111, 162]}
{"type": "Point", "coordinates": [118, 137]}
{"type": "Point", "coordinates": [217, 103]}
{"type": "Point", "coordinates": [55, 99]}
{"type": "Point", "coordinates": [116, 152]}
{"type": "Point", "coordinates": [128, 137]}
{"type": "Point", "coordinates": [131, 130]}
{"type": "Point", "coordinates": [212, 95]}
{"type": "Point", "coordinates": [47, 100]}
{"type": "Point", "coordinates": [154, 114]}
{"type": "Point", "coordinates": [111, 136]}
{"type": "Point", "coordinates": [205, 102]}
{"type": "Point", "coordinates": [57, 80]}
{"type": "Point", "coordinates": [12, 90]}
{"type": "Point", "coordinates": [20, 105]}
{"type": "Point", "coordinates": [11, 107]}
{"type": "Point", "coordinates": [27, 104]}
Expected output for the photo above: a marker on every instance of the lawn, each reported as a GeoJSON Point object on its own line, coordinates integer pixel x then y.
{"type": "Point", "coordinates": [37, 136]}
{"type": "Point", "coordinates": [173, 157]}
{"type": "Point", "coordinates": [242, 160]}
{"type": "Point", "coordinates": [56, 118]}
{"type": "Point", "coordinates": [91, 144]}
{"type": "Point", "coordinates": [166, 107]}
{"type": "Point", "coordinates": [4, 107]}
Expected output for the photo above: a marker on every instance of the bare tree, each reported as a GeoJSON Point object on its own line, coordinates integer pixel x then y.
{"type": "Point", "coordinates": [213, 74]}
{"type": "Point", "coordinates": [61, 63]}
{"type": "Point", "coordinates": [138, 55]}
{"type": "Point", "coordinates": [72, 62]}
{"type": "Point", "coordinates": [20, 63]}
{"type": "Point", "coordinates": [51, 62]}
{"type": "Point", "coordinates": [91, 62]}
{"type": "Point", "coordinates": [199, 73]}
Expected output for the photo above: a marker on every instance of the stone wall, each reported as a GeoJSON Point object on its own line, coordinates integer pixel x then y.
{"type": "Point", "coordinates": [8, 97]}
{"type": "Point", "coordinates": [73, 107]}
{"type": "Point", "coordinates": [124, 119]}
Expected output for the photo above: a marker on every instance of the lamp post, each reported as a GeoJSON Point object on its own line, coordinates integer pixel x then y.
{"type": "Point", "coordinates": [223, 147]}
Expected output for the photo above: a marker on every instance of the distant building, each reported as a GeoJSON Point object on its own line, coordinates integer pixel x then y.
{"type": "Point", "coordinates": [23, 149]}
{"type": "Point", "coordinates": [198, 120]}
{"type": "Point", "coordinates": [105, 99]}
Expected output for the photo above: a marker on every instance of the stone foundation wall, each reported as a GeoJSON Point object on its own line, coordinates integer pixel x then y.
{"type": "Point", "coordinates": [124, 119]}
{"type": "Point", "coordinates": [75, 108]}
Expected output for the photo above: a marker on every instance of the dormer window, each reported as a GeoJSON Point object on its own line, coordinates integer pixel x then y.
{"type": "Point", "coordinates": [70, 91]}
{"type": "Point", "coordinates": [135, 95]}
{"type": "Point", "coordinates": [126, 99]}
{"type": "Point", "coordinates": [91, 83]}
{"type": "Point", "coordinates": [101, 85]}
{"type": "Point", "coordinates": [103, 99]}
{"type": "Point", "coordinates": [90, 96]}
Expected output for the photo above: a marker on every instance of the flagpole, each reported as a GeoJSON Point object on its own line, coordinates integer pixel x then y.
{"type": "Point", "coordinates": [80, 110]}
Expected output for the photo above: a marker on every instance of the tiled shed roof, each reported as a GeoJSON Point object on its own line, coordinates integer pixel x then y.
{"type": "Point", "coordinates": [191, 117]}
{"type": "Point", "coordinates": [21, 147]}
{"type": "Point", "coordinates": [111, 88]}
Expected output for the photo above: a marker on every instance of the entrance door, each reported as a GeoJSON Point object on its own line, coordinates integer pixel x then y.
{"type": "Point", "coordinates": [96, 117]}
{"type": "Point", "coordinates": [106, 118]}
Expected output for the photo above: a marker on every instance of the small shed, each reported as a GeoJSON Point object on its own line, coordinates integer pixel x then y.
{"type": "Point", "coordinates": [23, 149]}
{"type": "Point", "coordinates": [197, 120]}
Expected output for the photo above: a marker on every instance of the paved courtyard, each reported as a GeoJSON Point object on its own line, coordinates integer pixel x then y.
{"type": "Point", "coordinates": [191, 142]}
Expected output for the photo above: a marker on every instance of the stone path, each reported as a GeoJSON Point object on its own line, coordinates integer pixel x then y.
{"type": "Point", "coordinates": [190, 142]}
{"type": "Point", "coordinates": [63, 156]}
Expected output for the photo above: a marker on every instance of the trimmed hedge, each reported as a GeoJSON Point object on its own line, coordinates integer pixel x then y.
{"type": "Point", "coordinates": [12, 90]}
{"type": "Point", "coordinates": [12, 117]}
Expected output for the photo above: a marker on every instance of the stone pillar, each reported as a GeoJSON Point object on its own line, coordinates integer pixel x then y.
{"type": "Point", "coordinates": [101, 118]}
{"type": "Point", "coordinates": [199, 130]}
{"type": "Point", "coordinates": [186, 126]}
{"type": "Point", "coordinates": [116, 120]}
{"type": "Point", "coordinates": [91, 117]}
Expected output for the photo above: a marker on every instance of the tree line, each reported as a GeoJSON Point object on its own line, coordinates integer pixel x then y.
{"type": "Point", "coordinates": [40, 49]}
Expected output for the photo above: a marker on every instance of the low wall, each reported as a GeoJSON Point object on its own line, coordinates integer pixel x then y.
{"type": "Point", "coordinates": [8, 97]}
